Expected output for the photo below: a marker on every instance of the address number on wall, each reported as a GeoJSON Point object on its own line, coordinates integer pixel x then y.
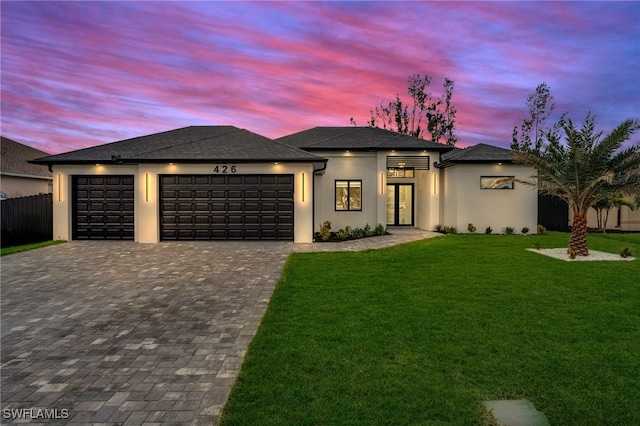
{"type": "Point", "coordinates": [224, 169]}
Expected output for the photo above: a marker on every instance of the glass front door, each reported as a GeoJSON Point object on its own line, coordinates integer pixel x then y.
{"type": "Point", "coordinates": [400, 204]}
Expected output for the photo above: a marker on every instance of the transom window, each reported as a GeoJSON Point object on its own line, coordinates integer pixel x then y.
{"type": "Point", "coordinates": [400, 173]}
{"type": "Point", "coordinates": [348, 195]}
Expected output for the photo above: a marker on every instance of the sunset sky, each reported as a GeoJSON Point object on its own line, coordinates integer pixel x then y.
{"type": "Point", "coordinates": [79, 74]}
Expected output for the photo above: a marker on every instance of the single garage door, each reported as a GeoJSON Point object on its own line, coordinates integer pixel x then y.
{"type": "Point", "coordinates": [103, 207]}
{"type": "Point", "coordinates": [226, 207]}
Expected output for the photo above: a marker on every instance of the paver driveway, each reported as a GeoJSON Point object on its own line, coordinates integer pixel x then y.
{"type": "Point", "coordinates": [118, 332]}
{"type": "Point", "coordinates": [123, 333]}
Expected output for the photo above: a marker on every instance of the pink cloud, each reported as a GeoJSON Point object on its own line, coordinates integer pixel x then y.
{"type": "Point", "coordinates": [83, 73]}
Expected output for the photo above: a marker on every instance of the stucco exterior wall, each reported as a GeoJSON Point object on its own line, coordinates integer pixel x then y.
{"type": "Point", "coordinates": [465, 202]}
{"type": "Point", "coordinates": [24, 186]}
{"type": "Point", "coordinates": [371, 168]}
{"type": "Point", "coordinates": [348, 166]}
{"type": "Point", "coordinates": [146, 196]}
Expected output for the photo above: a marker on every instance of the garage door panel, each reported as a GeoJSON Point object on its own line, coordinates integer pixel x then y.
{"type": "Point", "coordinates": [103, 207]}
{"type": "Point", "coordinates": [226, 207]}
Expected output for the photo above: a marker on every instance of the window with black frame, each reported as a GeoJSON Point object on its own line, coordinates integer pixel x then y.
{"type": "Point", "coordinates": [348, 195]}
{"type": "Point", "coordinates": [496, 182]}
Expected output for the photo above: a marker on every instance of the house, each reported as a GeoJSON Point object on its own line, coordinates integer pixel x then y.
{"type": "Point", "coordinates": [225, 183]}
{"type": "Point", "coordinates": [19, 178]}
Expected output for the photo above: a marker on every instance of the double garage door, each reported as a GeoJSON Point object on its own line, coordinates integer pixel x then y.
{"type": "Point", "coordinates": [226, 207]}
{"type": "Point", "coordinates": [192, 207]}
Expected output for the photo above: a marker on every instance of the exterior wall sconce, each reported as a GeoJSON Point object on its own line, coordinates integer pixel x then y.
{"type": "Point", "coordinates": [435, 183]}
{"type": "Point", "coordinates": [146, 186]}
{"type": "Point", "coordinates": [302, 186]}
{"type": "Point", "coordinates": [59, 187]}
{"type": "Point", "coordinates": [381, 183]}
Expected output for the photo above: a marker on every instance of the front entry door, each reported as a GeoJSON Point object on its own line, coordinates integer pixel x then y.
{"type": "Point", "coordinates": [400, 204]}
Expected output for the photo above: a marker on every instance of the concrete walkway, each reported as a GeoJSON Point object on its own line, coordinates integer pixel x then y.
{"type": "Point", "coordinates": [102, 332]}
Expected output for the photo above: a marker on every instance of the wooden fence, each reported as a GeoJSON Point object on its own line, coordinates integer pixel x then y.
{"type": "Point", "coordinates": [26, 220]}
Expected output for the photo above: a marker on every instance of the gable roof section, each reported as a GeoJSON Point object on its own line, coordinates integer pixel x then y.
{"type": "Point", "coordinates": [15, 157]}
{"type": "Point", "coordinates": [189, 145]}
{"type": "Point", "coordinates": [358, 138]}
{"type": "Point", "coordinates": [480, 153]}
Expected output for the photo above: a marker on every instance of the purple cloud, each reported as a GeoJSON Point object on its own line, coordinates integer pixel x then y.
{"type": "Point", "coordinates": [77, 74]}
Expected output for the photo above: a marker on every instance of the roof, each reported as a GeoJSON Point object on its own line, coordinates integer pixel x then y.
{"type": "Point", "coordinates": [14, 158]}
{"type": "Point", "coordinates": [358, 138]}
{"type": "Point", "coordinates": [188, 144]}
{"type": "Point", "coordinates": [480, 153]}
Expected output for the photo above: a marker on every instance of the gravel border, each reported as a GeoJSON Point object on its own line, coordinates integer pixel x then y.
{"type": "Point", "coordinates": [561, 253]}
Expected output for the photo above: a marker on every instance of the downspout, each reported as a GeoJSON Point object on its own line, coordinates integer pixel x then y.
{"type": "Point", "coordinates": [313, 195]}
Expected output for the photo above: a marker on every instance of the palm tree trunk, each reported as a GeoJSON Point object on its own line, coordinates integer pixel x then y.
{"type": "Point", "coordinates": [578, 241]}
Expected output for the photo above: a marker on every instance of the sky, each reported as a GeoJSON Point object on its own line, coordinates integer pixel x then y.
{"type": "Point", "coordinates": [79, 74]}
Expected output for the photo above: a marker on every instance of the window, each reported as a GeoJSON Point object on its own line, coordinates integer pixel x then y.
{"type": "Point", "coordinates": [395, 173]}
{"type": "Point", "coordinates": [348, 195]}
{"type": "Point", "coordinates": [496, 182]}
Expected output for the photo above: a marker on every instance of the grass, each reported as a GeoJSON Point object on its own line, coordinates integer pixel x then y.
{"type": "Point", "coordinates": [17, 249]}
{"type": "Point", "coordinates": [421, 333]}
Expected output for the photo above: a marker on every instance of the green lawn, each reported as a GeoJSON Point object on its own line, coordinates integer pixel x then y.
{"type": "Point", "coordinates": [421, 333]}
{"type": "Point", "coordinates": [17, 249]}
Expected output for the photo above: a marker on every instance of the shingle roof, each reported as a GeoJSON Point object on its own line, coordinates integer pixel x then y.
{"type": "Point", "coordinates": [14, 158]}
{"type": "Point", "coordinates": [357, 138]}
{"type": "Point", "coordinates": [188, 144]}
{"type": "Point", "coordinates": [480, 153]}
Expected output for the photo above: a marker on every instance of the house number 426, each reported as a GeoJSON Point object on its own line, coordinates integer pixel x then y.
{"type": "Point", "coordinates": [224, 169]}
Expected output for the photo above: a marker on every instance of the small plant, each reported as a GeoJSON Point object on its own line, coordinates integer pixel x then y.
{"type": "Point", "coordinates": [488, 230]}
{"type": "Point", "coordinates": [438, 228]}
{"type": "Point", "coordinates": [524, 230]}
{"type": "Point", "coordinates": [450, 230]}
{"type": "Point", "coordinates": [508, 230]}
{"type": "Point", "coordinates": [341, 235]}
{"type": "Point", "coordinates": [471, 228]}
{"type": "Point", "coordinates": [572, 253]}
{"type": "Point", "coordinates": [541, 229]}
{"type": "Point", "coordinates": [380, 229]}
{"type": "Point", "coordinates": [325, 230]}
{"type": "Point", "coordinates": [368, 232]}
{"type": "Point", "coordinates": [626, 252]}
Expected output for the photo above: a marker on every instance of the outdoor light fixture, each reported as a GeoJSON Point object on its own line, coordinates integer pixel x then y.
{"type": "Point", "coordinates": [146, 182]}
{"type": "Point", "coordinates": [381, 183]}
{"type": "Point", "coordinates": [435, 183]}
{"type": "Point", "coordinates": [59, 187]}
{"type": "Point", "coordinates": [302, 186]}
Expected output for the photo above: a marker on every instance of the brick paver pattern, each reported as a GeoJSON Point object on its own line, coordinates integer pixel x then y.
{"type": "Point", "coordinates": [105, 332]}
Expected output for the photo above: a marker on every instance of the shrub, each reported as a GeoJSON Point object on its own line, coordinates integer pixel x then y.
{"type": "Point", "coordinates": [626, 252]}
{"type": "Point", "coordinates": [488, 230]}
{"type": "Point", "coordinates": [541, 229]}
{"type": "Point", "coordinates": [341, 235]}
{"type": "Point", "coordinates": [325, 230]}
{"type": "Point", "coordinates": [508, 230]}
{"type": "Point", "coordinates": [471, 228]}
{"type": "Point", "coordinates": [438, 228]}
{"type": "Point", "coordinates": [380, 229]}
{"type": "Point", "coordinates": [450, 230]}
{"type": "Point", "coordinates": [524, 230]}
{"type": "Point", "coordinates": [572, 253]}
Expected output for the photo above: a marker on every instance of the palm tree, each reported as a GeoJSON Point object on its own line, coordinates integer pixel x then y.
{"type": "Point", "coordinates": [584, 167]}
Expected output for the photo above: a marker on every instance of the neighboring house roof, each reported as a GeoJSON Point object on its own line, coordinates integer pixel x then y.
{"type": "Point", "coordinates": [14, 158]}
{"type": "Point", "coordinates": [358, 138]}
{"type": "Point", "coordinates": [188, 144]}
{"type": "Point", "coordinates": [480, 153]}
